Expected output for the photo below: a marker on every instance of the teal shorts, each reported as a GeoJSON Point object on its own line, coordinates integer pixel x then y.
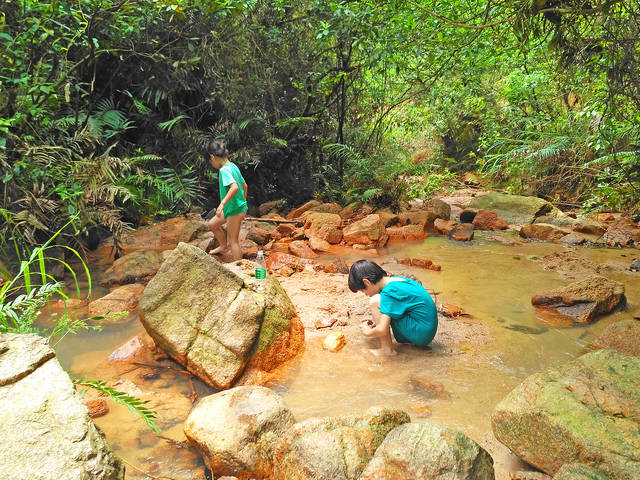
{"type": "Point", "coordinates": [236, 211]}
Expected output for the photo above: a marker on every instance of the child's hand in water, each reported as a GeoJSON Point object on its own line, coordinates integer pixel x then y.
{"type": "Point", "coordinates": [367, 327]}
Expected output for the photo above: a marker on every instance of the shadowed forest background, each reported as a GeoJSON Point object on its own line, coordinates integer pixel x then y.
{"type": "Point", "coordinates": [105, 105]}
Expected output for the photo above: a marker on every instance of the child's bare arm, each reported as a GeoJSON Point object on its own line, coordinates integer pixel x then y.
{"type": "Point", "coordinates": [380, 330]}
{"type": "Point", "coordinates": [244, 186]}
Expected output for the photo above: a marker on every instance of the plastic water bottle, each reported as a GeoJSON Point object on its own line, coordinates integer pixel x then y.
{"type": "Point", "coordinates": [261, 270]}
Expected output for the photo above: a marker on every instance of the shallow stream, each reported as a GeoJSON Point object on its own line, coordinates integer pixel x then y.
{"type": "Point", "coordinates": [452, 385]}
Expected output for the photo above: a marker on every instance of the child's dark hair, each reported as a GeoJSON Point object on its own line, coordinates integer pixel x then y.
{"type": "Point", "coordinates": [364, 269]}
{"type": "Point", "coordinates": [216, 148]}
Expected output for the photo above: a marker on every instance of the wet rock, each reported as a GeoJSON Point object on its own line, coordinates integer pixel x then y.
{"type": "Point", "coordinates": [337, 266]}
{"type": "Point", "coordinates": [97, 407]}
{"type": "Point", "coordinates": [42, 417]}
{"type": "Point", "coordinates": [591, 227]}
{"type": "Point", "coordinates": [137, 267]}
{"type": "Point", "coordinates": [439, 208]}
{"type": "Point", "coordinates": [571, 265]}
{"type": "Point", "coordinates": [424, 450]}
{"type": "Point", "coordinates": [277, 260]}
{"type": "Point", "coordinates": [319, 245]}
{"type": "Point", "coordinates": [326, 226]}
{"type": "Point", "coordinates": [406, 232]}
{"type": "Point", "coordinates": [205, 242]}
{"type": "Point", "coordinates": [635, 265]}
{"type": "Point", "coordinates": [582, 301]}
{"type": "Point", "coordinates": [513, 209]}
{"type": "Point", "coordinates": [303, 208]}
{"type": "Point", "coordinates": [488, 220]}
{"type": "Point", "coordinates": [622, 337]}
{"type": "Point", "coordinates": [160, 236]}
{"type": "Point", "coordinates": [450, 310]}
{"type": "Point", "coordinates": [132, 349]}
{"type": "Point", "coordinates": [210, 320]}
{"type": "Point", "coordinates": [428, 387]}
{"type": "Point", "coordinates": [558, 218]}
{"type": "Point", "coordinates": [366, 231]}
{"type": "Point", "coordinates": [419, 217]}
{"type": "Point", "coordinates": [444, 226]}
{"type": "Point", "coordinates": [622, 233]}
{"type": "Point", "coordinates": [300, 249]}
{"type": "Point", "coordinates": [326, 322]}
{"type": "Point", "coordinates": [578, 471]}
{"type": "Point", "coordinates": [585, 411]}
{"type": "Point", "coordinates": [334, 341]}
{"type": "Point", "coordinates": [236, 431]}
{"type": "Point", "coordinates": [543, 231]}
{"type": "Point", "coordinates": [335, 448]}
{"type": "Point", "coordinates": [505, 241]}
{"type": "Point", "coordinates": [124, 298]}
{"type": "Point", "coordinates": [573, 239]}
{"type": "Point", "coordinates": [463, 232]}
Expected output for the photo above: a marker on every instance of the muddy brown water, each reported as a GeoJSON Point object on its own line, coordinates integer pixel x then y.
{"type": "Point", "coordinates": [455, 383]}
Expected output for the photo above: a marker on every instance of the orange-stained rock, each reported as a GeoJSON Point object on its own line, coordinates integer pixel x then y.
{"type": "Point", "coordinates": [300, 249]}
{"type": "Point", "coordinates": [420, 217]}
{"type": "Point", "coordinates": [326, 208]}
{"type": "Point", "coordinates": [488, 220]}
{"type": "Point", "coordinates": [334, 341]}
{"type": "Point", "coordinates": [285, 229]}
{"type": "Point", "coordinates": [366, 231]}
{"type": "Point", "coordinates": [124, 298]}
{"type": "Point", "coordinates": [281, 245]}
{"type": "Point", "coordinates": [303, 208]}
{"type": "Point", "coordinates": [137, 267]}
{"type": "Point", "coordinates": [277, 260]}
{"type": "Point", "coordinates": [161, 236]}
{"type": "Point", "coordinates": [434, 267]}
{"type": "Point", "coordinates": [319, 245]}
{"type": "Point", "coordinates": [97, 407]}
{"type": "Point", "coordinates": [463, 232]}
{"type": "Point", "coordinates": [285, 271]}
{"type": "Point", "coordinates": [387, 217]}
{"type": "Point", "coordinates": [543, 231]}
{"type": "Point", "coordinates": [444, 226]}
{"type": "Point", "coordinates": [395, 233]}
{"type": "Point", "coordinates": [622, 232]}
{"type": "Point", "coordinates": [413, 232]}
{"type": "Point", "coordinates": [326, 226]}
{"type": "Point", "coordinates": [450, 310]}
{"type": "Point", "coordinates": [421, 262]}
{"type": "Point", "coordinates": [260, 235]}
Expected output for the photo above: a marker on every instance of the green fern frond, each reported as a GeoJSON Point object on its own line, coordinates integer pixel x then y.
{"type": "Point", "coordinates": [169, 124]}
{"type": "Point", "coordinates": [343, 152]}
{"type": "Point", "coordinates": [134, 404]}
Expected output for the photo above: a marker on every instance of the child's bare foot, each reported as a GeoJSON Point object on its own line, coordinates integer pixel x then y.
{"type": "Point", "coordinates": [218, 250]}
{"type": "Point", "coordinates": [382, 352]}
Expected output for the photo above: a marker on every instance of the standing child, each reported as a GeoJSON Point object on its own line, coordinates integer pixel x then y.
{"type": "Point", "coordinates": [233, 200]}
{"type": "Point", "coordinates": [399, 306]}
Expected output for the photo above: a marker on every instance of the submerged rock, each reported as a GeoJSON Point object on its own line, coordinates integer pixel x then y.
{"type": "Point", "coordinates": [622, 337]}
{"type": "Point", "coordinates": [212, 321]}
{"type": "Point", "coordinates": [416, 451]}
{"type": "Point", "coordinates": [137, 267]}
{"type": "Point", "coordinates": [45, 430]}
{"type": "Point", "coordinates": [586, 411]}
{"type": "Point", "coordinates": [124, 298]}
{"type": "Point", "coordinates": [236, 431]}
{"type": "Point", "coordinates": [581, 301]}
{"type": "Point", "coordinates": [337, 448]}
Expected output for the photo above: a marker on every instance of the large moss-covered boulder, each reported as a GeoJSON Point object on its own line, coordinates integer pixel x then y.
{"type": "Point", "coordinates": [215, 321]}
{"type": "Point", "coordinates": [237, 430]}
{"type": "Point", "coordinates": [513, 209]}
{"type": "Point", "coordinates": [587, 411]}
{"type": "Point", "coordinates": [45, 430]}
{"type": "Point", "coordinates": [417, 451]}
{"type": "Point", "coordinates": [336, 448]}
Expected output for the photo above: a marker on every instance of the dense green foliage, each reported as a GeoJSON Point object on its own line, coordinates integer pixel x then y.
{"type": "Point", "coordinates": [105, 105]}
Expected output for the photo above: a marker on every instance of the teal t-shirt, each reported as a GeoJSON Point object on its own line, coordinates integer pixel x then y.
{"type": "Point", "coordinates": [229, 174]}
{"type": "Point", "coordinates": [414, 318]}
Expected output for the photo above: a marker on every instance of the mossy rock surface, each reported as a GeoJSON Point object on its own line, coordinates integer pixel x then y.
{"type": "Point", "coordinates": [212, 319]}
{"type": "Point", "coordinates": [334, 448]}
{"type": "Point", "coordinates": [513, 209]}
{"type": "Point", "coordinates": [587, 411]}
